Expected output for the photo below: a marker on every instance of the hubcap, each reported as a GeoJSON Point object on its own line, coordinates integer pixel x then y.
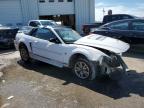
{"type": "Point", "coordinates": [82, 70]}
{"type": "Point", "coordinates": [24, 54]}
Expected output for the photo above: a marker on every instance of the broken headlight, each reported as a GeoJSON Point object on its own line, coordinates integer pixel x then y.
{"type": "Point", "coordinates": [112, 61]}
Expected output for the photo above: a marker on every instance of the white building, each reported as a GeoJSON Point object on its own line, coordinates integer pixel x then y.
{"type": "Point", "coordinates": [72, 12]}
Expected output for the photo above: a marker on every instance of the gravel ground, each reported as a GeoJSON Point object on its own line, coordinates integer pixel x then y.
{"type": "Point", "coordinates": [40, 85]}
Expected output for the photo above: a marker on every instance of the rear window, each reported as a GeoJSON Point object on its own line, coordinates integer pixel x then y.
{"type": "Point", "coordinates": [138, 25]}
{"type": "Point", "coordinates": [120, 26]}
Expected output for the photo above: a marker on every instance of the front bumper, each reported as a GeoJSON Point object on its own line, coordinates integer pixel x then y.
{"type": "Point", "coordinates": [115, 64]}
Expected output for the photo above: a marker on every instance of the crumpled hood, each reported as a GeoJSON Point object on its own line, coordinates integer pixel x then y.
{"type": "Point", "coordinates": [104, 42]}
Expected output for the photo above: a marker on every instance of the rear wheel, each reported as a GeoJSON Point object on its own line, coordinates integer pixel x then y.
{"type": "Point", "coordinates": [24, 53]}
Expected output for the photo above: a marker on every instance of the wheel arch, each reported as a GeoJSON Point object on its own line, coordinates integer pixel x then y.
{"type": "Point", "coordinates": [21, 44]}
{"type": "Point", "coordinates": [74, 57]}
{"type": "Point", "coordinates": [93, 65]}
{"type": "Point", "coordinates": [90, 54]}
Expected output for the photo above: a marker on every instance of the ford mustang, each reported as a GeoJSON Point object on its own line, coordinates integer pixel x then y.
{"type": "Point", "coordinates": [88, 57]}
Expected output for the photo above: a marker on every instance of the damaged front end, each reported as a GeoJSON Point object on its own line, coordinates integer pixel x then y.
{"type": "Point", "coordinates": [113, 66]}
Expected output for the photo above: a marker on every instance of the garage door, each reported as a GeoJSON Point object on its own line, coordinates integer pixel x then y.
{"type": "Point", "coordinates": [10, 12]}
{"type": "Point", "coordinates": [56, 8]}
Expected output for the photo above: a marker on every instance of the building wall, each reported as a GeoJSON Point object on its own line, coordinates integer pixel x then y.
{"type": "Point", "coordinates": [10, 12]}
{"type": "Point", "coordinates": [85, 12]}
{"type": "Point", "coordinates": [29, 10]}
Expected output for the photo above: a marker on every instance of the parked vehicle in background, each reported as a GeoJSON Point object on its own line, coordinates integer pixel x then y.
{"type": "Point", "coordinates": [130, 30]}
{"type": "Point", "coordinates": [87, 28]}
{"type": "Point", "coordinates": [41, 23]}
{"type": "Point", "coordinates": [7, 36]}
{"type": "Point", "coordinates": [25, 29]}
{"type": "Point", "coordinates": [88, 57]}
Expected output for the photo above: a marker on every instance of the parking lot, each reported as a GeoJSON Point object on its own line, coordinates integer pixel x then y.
{"type": "Point", "coordinates": [40, 85]}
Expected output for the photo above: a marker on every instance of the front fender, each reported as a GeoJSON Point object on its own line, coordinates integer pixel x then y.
{"type": "Point", "coordinates": [91, 54]}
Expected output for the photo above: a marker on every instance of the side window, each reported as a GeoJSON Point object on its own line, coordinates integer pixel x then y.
{"type": "Point", "coordinates": [37, 23]}
{"type": "Point", "coordinates": [120, 26]}
{"type": "Point", "coordinates": [34, 24]}
{"type": "Point", "coordinates": [33, 32]}
{"type": "Point", "coordinates": [126, 17]}
{"type": "Point", "coordinates": [114, 18]}
{"type": "Point", "coordinates": [138, 26]}
{"type": "Point", "coordinates": [44, 33]}
{"type": "Point", "coordinates": [31, 24]}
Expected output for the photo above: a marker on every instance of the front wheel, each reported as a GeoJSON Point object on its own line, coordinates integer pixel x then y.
{"type": "Point", "coordinates": [83, 69]}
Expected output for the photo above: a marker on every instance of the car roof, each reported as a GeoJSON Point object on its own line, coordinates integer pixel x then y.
{"type": "Point", "coordinates": [121, 15]}
{"type": "Point", "coordinates": [54, 27]}
{"type": "Point", "coordinates": [58, 27]}
{"type": "Point", "coordinates": [137, 19]}
{"type": "Point", "coordinates": [41, 20]}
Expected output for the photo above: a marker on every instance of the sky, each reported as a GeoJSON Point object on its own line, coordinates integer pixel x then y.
{"type": "Point", "coordinates": [132, 7]}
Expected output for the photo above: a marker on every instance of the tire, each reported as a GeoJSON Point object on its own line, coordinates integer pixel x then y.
{"type": "Point", "coordinates": [24, 54]}
{"type": "Point", "coordinates": [84, 69]}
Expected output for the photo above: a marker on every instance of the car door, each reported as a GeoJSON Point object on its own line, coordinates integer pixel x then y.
{"type": "Point", "coordinates": [137, 31]}
{"type": "Point", "coordinates": [41, 45]}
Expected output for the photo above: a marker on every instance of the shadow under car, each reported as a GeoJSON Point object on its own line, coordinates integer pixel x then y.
{"type": "Point", "coordinates": [133, 83]}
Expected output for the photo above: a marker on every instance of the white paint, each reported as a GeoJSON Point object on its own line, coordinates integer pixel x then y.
{"type": "Point", "coordinates": [10, 97]}
{"type": "Point", "coordinates": [103, 42]}
{"type": "Point", "coordinates": [60, 54]}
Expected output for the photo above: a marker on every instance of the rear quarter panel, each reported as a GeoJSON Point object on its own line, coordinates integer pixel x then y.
{"type": "Point", "coordinates": [23, 38]}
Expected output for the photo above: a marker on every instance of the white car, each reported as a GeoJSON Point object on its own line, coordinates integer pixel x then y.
{"type": "Point", "coordinates": [88, 57]}
{"type": "Point", "coordinates": [41, 23]}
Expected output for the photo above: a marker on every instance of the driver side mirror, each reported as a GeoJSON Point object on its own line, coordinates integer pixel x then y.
{"type": "Point", "coordinates": [54, 40]}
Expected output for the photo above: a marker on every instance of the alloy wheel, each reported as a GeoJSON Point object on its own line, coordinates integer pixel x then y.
{"type": "Point", "coordinates": [82, 70]}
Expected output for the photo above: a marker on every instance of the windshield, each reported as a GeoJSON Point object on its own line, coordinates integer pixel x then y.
{"type": "Point", "coordinates": [45, 23]}
{"type": "Point", "coordinates": [68, 35]}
